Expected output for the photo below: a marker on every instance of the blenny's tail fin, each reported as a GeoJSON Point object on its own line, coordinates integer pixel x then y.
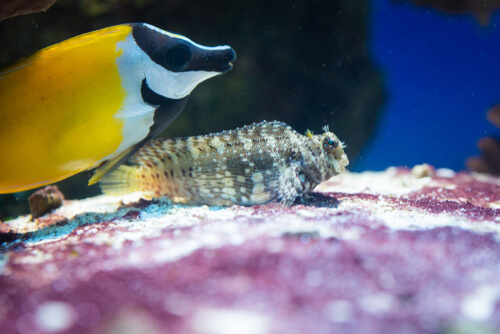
{"type": "Point", "coordinates": [121, 181]}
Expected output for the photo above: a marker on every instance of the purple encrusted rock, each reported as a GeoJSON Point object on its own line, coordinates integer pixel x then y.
{"type": "Point", "coordinates": [390, 252]}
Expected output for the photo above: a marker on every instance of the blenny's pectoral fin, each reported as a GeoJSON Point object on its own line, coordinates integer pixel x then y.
{"type": "Point", "coordinates": [290, 185]}
{"type": "Point", "coordinates": [262, 187]}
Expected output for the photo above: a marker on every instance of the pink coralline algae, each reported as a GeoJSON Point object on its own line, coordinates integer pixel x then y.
{"type": "Point", "coordinates": [388, 252]}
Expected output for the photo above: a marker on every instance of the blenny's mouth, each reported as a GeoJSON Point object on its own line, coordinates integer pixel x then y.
{"type": "Point", "coordinates": [343, 162]}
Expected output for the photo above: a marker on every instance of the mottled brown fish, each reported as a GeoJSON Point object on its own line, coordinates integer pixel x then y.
{"type": "Point", "coordinates": [256, 164]}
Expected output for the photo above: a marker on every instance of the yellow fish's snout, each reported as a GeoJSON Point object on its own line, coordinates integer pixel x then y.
{"type": "Point", "coordinates": [227, 60]}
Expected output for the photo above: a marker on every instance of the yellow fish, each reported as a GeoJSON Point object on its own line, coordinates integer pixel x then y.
{"type": "Point", "coordinates": [95, 99]}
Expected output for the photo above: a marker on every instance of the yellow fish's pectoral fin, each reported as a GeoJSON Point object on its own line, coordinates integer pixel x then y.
{"type": "Point", "coordinates": [166, 111]}
{"type": "Point", "coordinates": [110, 164]}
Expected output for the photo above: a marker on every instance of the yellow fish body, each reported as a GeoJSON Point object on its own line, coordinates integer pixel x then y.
{"type": "Point", "coordinates": [93, 100]}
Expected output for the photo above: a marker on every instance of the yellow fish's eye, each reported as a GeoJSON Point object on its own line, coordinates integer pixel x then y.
{"type": "Point", "coordinates": [178, 58]}
{"type": "Point", "coordinates": [329, 145]}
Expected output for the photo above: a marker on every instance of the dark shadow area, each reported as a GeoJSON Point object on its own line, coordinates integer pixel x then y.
{"type": "Point", "coordinates": [318, 200]}
{"type": "Point", "coordinates": [305, 63]}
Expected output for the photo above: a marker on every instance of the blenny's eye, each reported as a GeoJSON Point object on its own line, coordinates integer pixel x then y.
{"type": "Point", "coordinates": [178, 58]}
{"type": "Point", "coordinates": [330, 145]}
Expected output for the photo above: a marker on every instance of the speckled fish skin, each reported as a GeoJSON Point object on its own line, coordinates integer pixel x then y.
{"type": "Point", "coordinates": [256, 164]}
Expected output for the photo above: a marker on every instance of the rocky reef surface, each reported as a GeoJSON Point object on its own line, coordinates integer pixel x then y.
{"type": "Point", "coordinates": [10, 8]}
{"type": "Point", "coordinates": [399, 251]}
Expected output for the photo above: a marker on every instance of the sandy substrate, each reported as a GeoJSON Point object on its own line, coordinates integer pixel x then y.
{"type": "Point", "coordinates": [399, 251]}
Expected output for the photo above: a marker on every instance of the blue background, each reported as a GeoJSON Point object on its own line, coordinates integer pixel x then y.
{"type": "Point", "coordinates": [442, 73]}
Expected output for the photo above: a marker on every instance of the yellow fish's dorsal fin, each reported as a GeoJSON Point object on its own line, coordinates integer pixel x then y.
{"type": "Point", "coordinates": [111, 163]}
{"type": "Point", "coordinates": [309, 133]}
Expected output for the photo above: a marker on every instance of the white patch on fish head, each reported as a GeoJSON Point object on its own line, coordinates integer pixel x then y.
{"type": "Point", "coordinates": [175, 65]}
{"type": "Point", "coordinates": [174, 85]}
{"type": "Point", "coordinates": [135, 65]}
